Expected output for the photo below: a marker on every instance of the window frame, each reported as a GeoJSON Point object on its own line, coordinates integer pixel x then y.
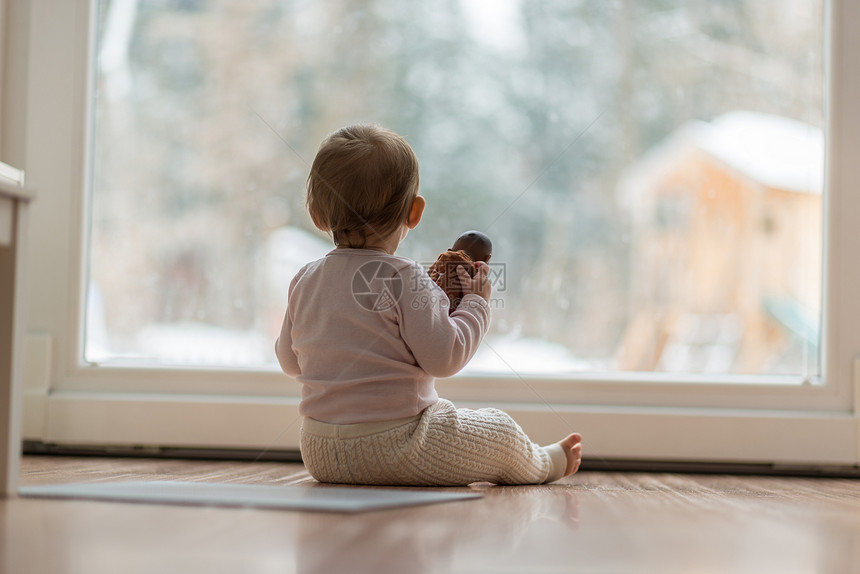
{"type": "Point", "coordinates": [68, 401]}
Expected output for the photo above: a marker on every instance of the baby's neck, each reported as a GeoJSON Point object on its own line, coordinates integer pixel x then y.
{"type": "Point", "coordinates": [386, 245]}
{"type": "Point", "coordinates": [365, 248]}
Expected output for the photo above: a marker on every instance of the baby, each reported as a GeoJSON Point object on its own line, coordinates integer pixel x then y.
{"type": "Point", "coordinates": [366, 332]}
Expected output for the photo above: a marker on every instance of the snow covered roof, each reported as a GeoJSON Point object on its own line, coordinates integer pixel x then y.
{"type": "Point", "coordinates": [777, 152]}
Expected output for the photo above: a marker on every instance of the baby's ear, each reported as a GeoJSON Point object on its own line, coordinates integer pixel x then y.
{"type": "Point", "coordinates": [415, 212]}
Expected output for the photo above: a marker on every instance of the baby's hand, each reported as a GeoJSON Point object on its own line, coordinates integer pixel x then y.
{"type": "Point", "coordinates": [479, 284]}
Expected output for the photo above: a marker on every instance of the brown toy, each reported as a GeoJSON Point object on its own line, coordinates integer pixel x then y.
{"type": "Point", "coordinates": [470, 247]}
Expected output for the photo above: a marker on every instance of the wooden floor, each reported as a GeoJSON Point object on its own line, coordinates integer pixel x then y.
{"type": "Point", "coordinates": [591, 522]}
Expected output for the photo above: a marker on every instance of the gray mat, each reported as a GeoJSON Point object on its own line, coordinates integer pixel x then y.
{"type": "Point", "coordinates": [313, 498]}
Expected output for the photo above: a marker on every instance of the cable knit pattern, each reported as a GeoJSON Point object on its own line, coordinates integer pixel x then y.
{"type": "Point", "coordinates": [443, 446]}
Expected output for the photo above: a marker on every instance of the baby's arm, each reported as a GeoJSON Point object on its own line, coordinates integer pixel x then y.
{"type": "Point", "coordinates": [441, 344]}
{"type": "Point", "coordinates": [286, 357]}
{"type": "Point", "coordinates": [284, 344]}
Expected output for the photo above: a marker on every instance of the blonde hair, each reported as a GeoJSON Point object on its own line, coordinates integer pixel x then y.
{"type": "Point", "coordinates": [363, 181]}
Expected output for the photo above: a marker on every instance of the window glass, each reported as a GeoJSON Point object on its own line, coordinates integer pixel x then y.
{"type": "Point", "coordinates": [650, 172]}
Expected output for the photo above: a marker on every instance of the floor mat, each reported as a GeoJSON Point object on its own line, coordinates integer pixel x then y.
{"type": "Point", "coordinates": [320, 498]}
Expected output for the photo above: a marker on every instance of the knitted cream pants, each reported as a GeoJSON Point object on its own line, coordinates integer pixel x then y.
{"type": "Point", "coordinates": [442, 446]}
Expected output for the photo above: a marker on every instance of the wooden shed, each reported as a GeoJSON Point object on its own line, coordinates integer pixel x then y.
{"type": "Point", "coordinates": [726, 248]}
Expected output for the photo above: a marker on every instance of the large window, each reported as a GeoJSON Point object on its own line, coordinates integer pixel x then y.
{"type": "Point", "coordinates": [651, 172]}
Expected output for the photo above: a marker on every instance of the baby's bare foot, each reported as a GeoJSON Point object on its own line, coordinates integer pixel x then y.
{"type": "Point", "coordinates": [572, 446]}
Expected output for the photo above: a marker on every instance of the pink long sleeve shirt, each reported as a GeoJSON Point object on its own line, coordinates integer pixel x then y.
{"type": "Point", "coordinates": [365, 333]}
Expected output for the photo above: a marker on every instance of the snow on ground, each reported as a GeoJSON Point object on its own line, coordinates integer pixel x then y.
{"type": "Point", "coordinates": [203, 345]}
{"type": "Point", "coordinates": [512, 355]}
{"type": "Point", "coordinates": [197, 344]}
